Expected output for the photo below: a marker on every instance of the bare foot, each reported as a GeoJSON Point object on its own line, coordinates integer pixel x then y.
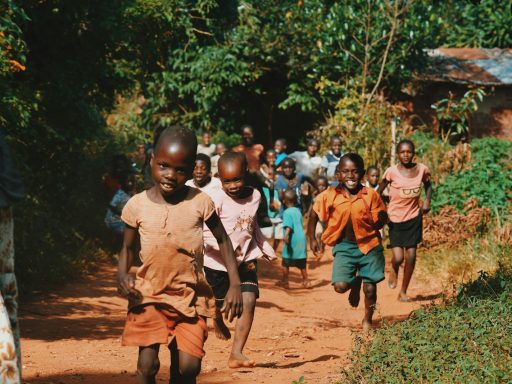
{"type": "Point", "coordinates": [240, 361]}
{"type": "Point", "coordinates": [392, 279]}
{"type": "Point", "coordinates": [367, 326]}
{"type": "Point", "coordinates": [404, 298]}
{"type": "Point", "coordinates": [307, 284]}
{"type": "Point", "coordinates": [221, 330]}
{"type": "Point", "coordinates": [355, 292]}
{"type": "Point", "coordinates": [283, 284]}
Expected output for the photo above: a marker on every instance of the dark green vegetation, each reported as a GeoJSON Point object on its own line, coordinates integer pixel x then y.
{"type": "Point", "coordinates": [207, 64]}
{"type": "Point", "coordinates": [489, 179]}
{"type": "Point", "coordinates": [467, 340]}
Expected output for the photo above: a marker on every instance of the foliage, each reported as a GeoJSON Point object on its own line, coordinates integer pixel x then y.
{"type": "Point", "coordinates": [453, 115]}
{"type": "Point", "coordinates": [466, 340]}
{"type": "Point", "coordinates": [489, 180]}
{"type": "Point", "coordinates": [367, 133]}
{"type": "Point", "coordinates": [480, 24]}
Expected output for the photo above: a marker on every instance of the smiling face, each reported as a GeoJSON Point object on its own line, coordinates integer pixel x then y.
{"type": "Point", "coordinates": [280, 146]}
{"type": "Point", "coordinates": [201, 173]}
{"type": "Point", "coordinates": [405, 153]}
{"type": "Point", "coordinates": [232, 176]}
{"type": "Point", "coordinates": [336, 146]}
{"type": "Point", "coordinates": [288, 168]}
{"type": "Point", "coordinates": [270, 157]}
{"type": "Point", "coordinates": [350, 175]}
{"type": "Point", "coordinates": [171, 167]}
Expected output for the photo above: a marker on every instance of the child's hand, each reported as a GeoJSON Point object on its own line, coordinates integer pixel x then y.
{"type": "Point", "coordinates": [233, 303]}
{"type": "Point", "coordinates": [315, 247]}
{"type": "Point", "coordinates": [425, 208]}
{"type": "Point", "coordinates": [383, 216]}
{"type": "Point", "coordinates": [126, 286]}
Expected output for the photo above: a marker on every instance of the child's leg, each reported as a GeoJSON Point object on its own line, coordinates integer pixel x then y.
{"type": "Point", "coordinates": [148, 364]}
{"type": "Point", "coordinates": [184, 367]}
{"type": "Point", "coordinates": [410, 263]}
{"type": "Point", "coordinates": [396, 261]}
{"type": "Point", "coordinates": [370, 299]}
{"type": "Point", "coordinates": [286, 274]}
{"type": "Point", "coordinates": [305, 281]}
{"type": "Point", "coordinates": [355, 290]}
{"type": "Point", "coordinates": [242, 329]}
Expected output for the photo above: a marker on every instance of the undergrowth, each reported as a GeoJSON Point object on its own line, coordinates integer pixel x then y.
{"type": "Point", "coordinates": [465, 340]}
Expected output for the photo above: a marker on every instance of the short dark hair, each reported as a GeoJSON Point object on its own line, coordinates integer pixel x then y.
{"type": "Point", "coordinates": [181, 135]}
{"type": "Point", "coordinates": [282, 140]}
{"type": "Point", "coordinates": [313, 142]}
{"type": "Point", "coordinates": [408, 142]}
{"type": "Point", "coordinates": [290, 195]}
{"type": "Point", "coordinates": [230, 157]}
{"type": "Point", "coordinates": [205, 159]}
{"type": "Point", "coordinates": [322, 178]}
{"type": "Point", "coordinates": [372, 167]}
{"type": "Point", "coordinates": [247, 126]}
{"type": "Point", "coordinates": [288, 160]}
{"type": "Point", "coordinates": [355, 158]}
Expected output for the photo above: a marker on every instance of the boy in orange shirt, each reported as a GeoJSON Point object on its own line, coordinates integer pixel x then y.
{"type": "Point", "coordinates": [353, 215]}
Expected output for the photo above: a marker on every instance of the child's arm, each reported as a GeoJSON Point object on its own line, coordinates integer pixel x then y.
{"type": "Point", "coordinates": [287, 235]}
{"type": "Point", "coordinates": [310, 181]}
{"type": "Point", "coordinates": [378, 211]}
{"type": "Point", "coordinates": [428, 192]}
{"type": "Point", "coordinates": [125, 281]}
{"type": "Point", "coordinates": [233, 301]}
{"type": "Point", "coordinates": [313, 243]}
{"type": "Point", "coordinates": [382, 186]}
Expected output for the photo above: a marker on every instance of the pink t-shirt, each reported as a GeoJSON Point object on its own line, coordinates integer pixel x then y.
{"type": "Point", "coordinates": [210, 188]}
{"type": "Point", "coordinates": [238, 216]}
{"type": "Point", "coordinates": [404, 193]}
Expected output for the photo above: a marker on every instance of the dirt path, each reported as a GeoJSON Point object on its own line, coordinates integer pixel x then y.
{"type": "Point", "coordinates": [73, 336]}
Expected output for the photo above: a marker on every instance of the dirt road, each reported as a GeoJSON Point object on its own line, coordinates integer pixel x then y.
{"type": "Point", "coordinates": [73, 336]}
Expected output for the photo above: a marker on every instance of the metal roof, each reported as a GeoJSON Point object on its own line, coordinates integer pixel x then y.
{"type": "Point", "coordinates": [478, 66]}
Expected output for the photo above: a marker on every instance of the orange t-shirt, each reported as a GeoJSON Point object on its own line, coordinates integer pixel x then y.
{"type": "Point", "coordinates": [171, 251]}
{"type": "Point", "coordinates": [404, 193]}
{"type": "Point", "coordinates": [252, 153]}
{"type": "Point", "coordinates": [334, 207]}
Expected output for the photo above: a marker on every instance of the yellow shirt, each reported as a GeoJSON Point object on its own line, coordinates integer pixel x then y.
{"type": "Point", "coordinates": [171, 240]}
{"type": "Point", "coordinates": [334, 207]}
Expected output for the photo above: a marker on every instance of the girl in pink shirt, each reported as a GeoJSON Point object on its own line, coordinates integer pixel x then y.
{"type": "Point", "coordinates": [236, 205]}
{"type": "Point", "coordinates": [405, 212]}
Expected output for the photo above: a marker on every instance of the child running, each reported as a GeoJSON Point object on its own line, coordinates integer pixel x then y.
{"type": "Point", "coordinates": [169, 297]}
{"type": "Point", "coordinates": [202, 176]}
{"type": "Point", "coordinates": [353, 214]}
{"type": "Point", "coordinates": [236, 205]}
{"type": "Point", "coordinates": [294, 250]}
{"type": "Point", "coordinates": [405, 213]}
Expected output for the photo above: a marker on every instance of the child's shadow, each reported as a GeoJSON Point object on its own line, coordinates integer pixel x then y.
{"type": "Point", "coordinates": [296, 364]}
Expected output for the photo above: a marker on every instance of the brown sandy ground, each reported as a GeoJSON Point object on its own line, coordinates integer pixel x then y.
{"type": "Point", "coordinates": [72, 336]}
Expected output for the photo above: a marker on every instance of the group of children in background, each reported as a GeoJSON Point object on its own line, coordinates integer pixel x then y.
{"type": "Point", "coordinates": [210, 213]}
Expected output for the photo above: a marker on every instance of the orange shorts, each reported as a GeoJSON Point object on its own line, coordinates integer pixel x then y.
{"type": "Point", "coordinates": [154, 323]}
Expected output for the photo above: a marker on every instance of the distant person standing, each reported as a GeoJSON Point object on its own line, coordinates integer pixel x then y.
{"type": "Point", "coordinates": [220, 149]}
{"type": "Point", "coordinates": [253, 152]}
{"type": "Point", "coordinates": [308, 162]}
{"type": "Point", "coordinates": [280, 147]}
{"type": "Point", "coordinates": [11, 191]}
{"type": "Point", "coordinates": [332, 158]}
{"type": "Point", "coordinates": [206, 146]}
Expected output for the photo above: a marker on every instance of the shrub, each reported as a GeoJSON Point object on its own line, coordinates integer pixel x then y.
{"type": "Point", "coordinates": [465, 341]}
{"type": "Point", "coordinates": [489, 180]}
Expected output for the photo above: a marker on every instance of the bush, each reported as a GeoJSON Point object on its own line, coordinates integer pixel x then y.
{"type": "Point", "coordinates": [489, 180]}
{"type": "Point", "coordinates": [465, 341]}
